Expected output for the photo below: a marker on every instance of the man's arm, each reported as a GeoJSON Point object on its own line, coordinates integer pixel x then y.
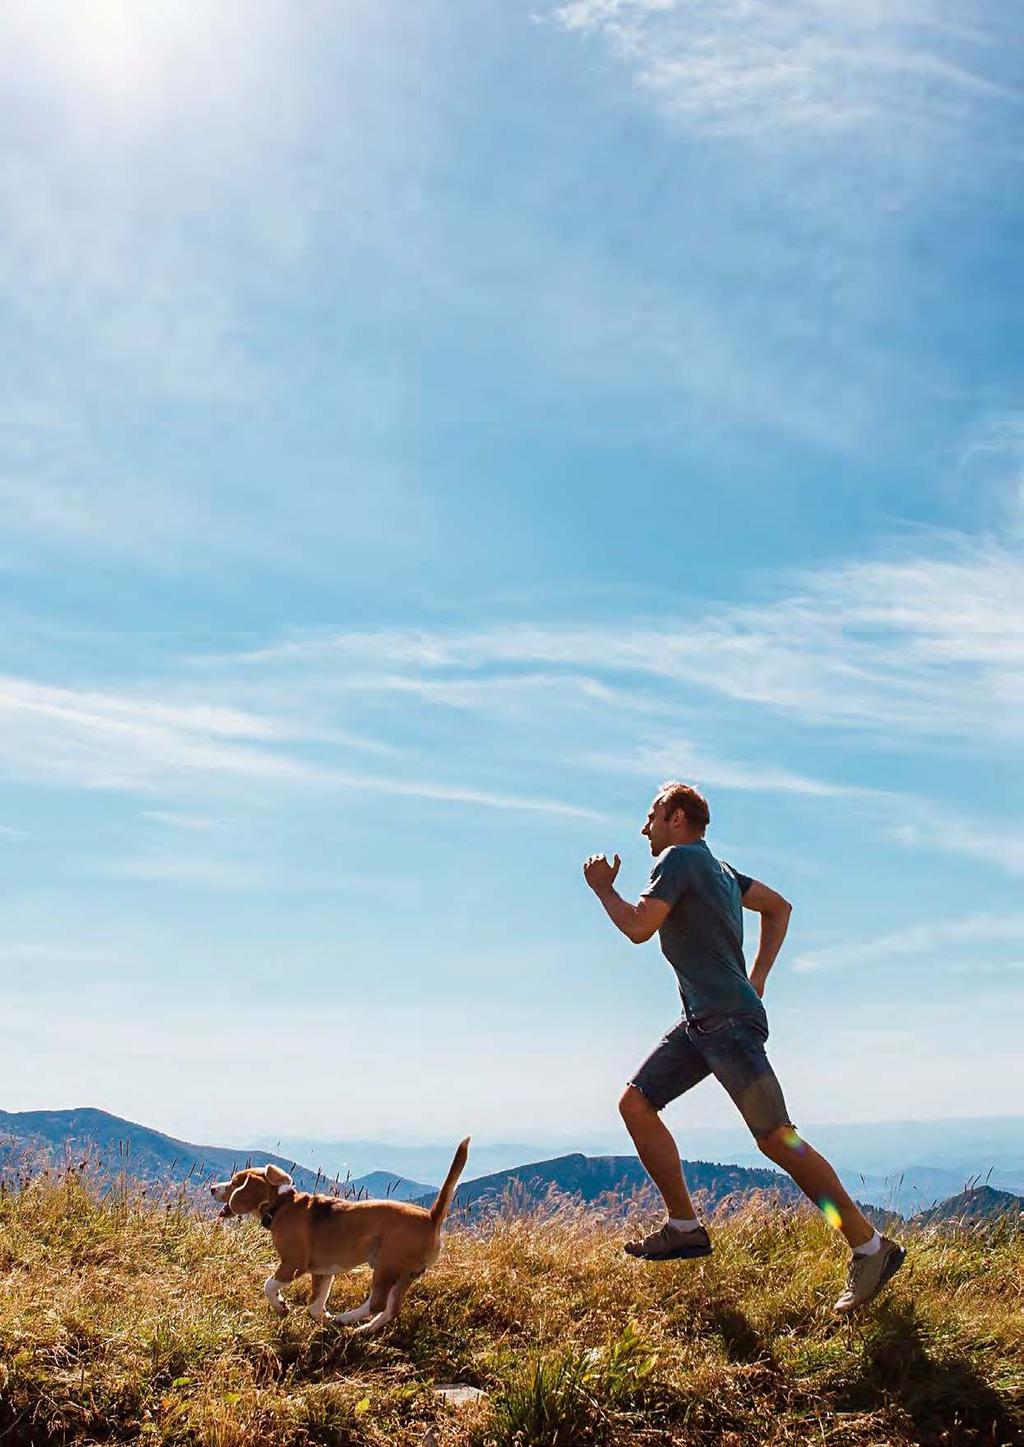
{"type": "Point", "coordinates": [775, 912]}
{"type": "Point", "coordinates": [638, 922]}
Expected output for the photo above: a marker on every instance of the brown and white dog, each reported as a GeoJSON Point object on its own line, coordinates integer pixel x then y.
{"type": "Point", "coordinates": [324, 1236]}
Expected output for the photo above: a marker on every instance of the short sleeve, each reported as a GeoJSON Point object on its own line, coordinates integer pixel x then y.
{"type": "Point", "coordinates": [669, 877]}
{"type": "Point", "coordinates": [743, 880]}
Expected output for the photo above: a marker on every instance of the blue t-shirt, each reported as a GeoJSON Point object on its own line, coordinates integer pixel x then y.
{"type": "Point", "coordinates": [702, 936]}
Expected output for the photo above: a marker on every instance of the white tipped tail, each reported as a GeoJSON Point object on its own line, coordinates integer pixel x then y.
{"type": "Point", "coordinates": [439, 1209]}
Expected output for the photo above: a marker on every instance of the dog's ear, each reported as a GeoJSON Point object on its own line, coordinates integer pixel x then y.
{"type": "Point", "coordinates": [276, 1176]}
{"type": "Point", "coordinates": [235, 1206]}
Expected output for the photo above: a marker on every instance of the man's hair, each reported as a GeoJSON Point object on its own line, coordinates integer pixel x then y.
{"type": "Point", "coordinates": [684, 796]}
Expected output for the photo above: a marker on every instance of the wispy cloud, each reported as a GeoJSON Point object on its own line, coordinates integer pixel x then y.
{"type": "Point", "coordinates": [199, 822]}
{"type": "Point", "coordinates": [802, 67]}
{"type": "Point", "coordinates": [906, 654]}
{"type": "Point", "coordinates": [923, 644]}
{"type": "Point", "coordinates": [991, 466]}
{"type": "Point", "coordinates": [926, 825]}
{"type": "Point", "coordinates": [207, 870]}
{"type": "Point", "coordinates": [932, 937]}
{"type": "Point", "coordinates": [901, 653]}
{"type": "Point", "coordinates": [707, 769]}
{"type": "Point", "coordinates": [108, 740]}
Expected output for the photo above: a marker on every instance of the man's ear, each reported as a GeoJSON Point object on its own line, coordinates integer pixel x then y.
{"type": "Point", "coordinates": [276, 1176]}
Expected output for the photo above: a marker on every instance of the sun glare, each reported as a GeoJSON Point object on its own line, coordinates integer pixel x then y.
{"type": "Point", "coordinates": [105, 36]}
{"type": "Point", "coordinates": [126, 51]}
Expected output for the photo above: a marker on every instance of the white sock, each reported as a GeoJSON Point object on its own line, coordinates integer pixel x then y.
{"type": "Point", "coordinates": [681, 1225]}
{"type": "Point", "coordinates": [870, 1247]}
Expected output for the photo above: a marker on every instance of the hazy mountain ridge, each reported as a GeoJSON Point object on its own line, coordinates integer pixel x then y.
{"type": "Point", "coordinates": [147, 1155]}
{"type": "Point", "coordinates": [150, 1156]}
{"type": "Point", "coordinates": [385, 1185]}
{"type": "Point", "coordinates": [907, 1166]}
{"type": "Point", "coordinates": [359, 1157]}
{"type": "Point", "coordinates": [122, 1145]}
{"type": "Point", "coordinates": [589, 1178]}
{"type": "Point", "coordinates": [977, 1205]}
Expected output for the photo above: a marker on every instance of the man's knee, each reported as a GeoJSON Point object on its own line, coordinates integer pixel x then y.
{"type": "Point", "coordinates": [634, 1105]}
{"type": "Point", "coordinates": [779, 1144]}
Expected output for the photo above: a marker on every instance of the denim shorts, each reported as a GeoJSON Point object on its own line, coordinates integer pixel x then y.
{"type": "Point", "coordinates": [729, 1047]}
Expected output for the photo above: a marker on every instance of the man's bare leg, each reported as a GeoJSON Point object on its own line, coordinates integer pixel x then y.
{"type": "Point", "coordinates": [658, 1152]}
{"type": "Point", "coordinates": [818, 1180]}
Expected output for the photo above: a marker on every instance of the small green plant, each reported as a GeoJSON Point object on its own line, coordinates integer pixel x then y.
{"type": "Point", "coordinates": [548, 1403]}
{"type": "Point", "coordinates": [624, 1366]}
{"type": "Point", "coordinates": [574, 1396]}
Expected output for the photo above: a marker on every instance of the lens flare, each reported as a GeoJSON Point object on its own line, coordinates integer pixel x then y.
{"type": "Point", "coordinates": [792, 1141]}
{"type": "Point", "coordinates": [830, 1211]}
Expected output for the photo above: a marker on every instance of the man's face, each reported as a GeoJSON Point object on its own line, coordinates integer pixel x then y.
{"type": "Point", "coordinates": [656, 830]}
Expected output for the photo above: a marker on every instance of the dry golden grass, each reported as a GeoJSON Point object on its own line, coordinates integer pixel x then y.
{"type": "Point", "coordinates": [127, 1319]}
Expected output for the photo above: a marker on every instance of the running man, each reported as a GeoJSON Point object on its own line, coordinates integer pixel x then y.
{"type": "Point", "coordinates": [695, 903]}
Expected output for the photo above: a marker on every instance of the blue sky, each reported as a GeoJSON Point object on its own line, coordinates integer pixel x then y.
{"type": "Point", "coordinates": [426, 428]}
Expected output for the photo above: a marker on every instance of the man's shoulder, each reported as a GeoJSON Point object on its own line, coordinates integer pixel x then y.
{"type": "Point", "coordinates": [692, 855]}
{"type": "Point", "coordinates": [674, 856]}
{"type": "Point", "coordinates": [682, 860]}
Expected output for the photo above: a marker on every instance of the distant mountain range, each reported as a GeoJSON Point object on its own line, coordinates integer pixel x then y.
{"type": "Point", "coordinates": [150, 1156]}
{"type": "Point", "coordinates": [974, 1206]}
{"type": "Point", "coordinates": [430, 1162]}
{"type": "Point", "coordinates": [588, 1178]}
{"type": "Point", "coordinates": [383, 1185]}
{"type": "Point", "coordinates": [906, 1166]}
{"type": "Point", "coordinates": [116, 1145]}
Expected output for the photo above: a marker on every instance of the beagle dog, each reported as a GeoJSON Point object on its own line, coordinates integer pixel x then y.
{"type": "Point", "coordinates": [323, 1235]}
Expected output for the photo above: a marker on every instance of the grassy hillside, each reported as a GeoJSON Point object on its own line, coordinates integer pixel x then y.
{"type": "Point", "coordinates": [127, 1319]}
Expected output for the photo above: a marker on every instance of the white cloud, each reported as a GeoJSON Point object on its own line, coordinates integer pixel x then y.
{"type": "Point", "coordinates": [991, 468]}
{"type": "Point", "coordinates": [802, 67]}
{"type": "Point", "coordinates": [213, 872]}
{"type": "Point", "coordinates": [706, 769]}
{"type": "Point", "coordinates": [953, 831]}
{"type": "Point", "coordinates": [927, 644]}
{"type": "Point", "coordinates": [904, 653]}
{"type": "Point", "coordinates": [930, 937]}
{"type": "Point", "coordinates": [107, 740]}
{"type": "Point", "coordinates": [200, 822]}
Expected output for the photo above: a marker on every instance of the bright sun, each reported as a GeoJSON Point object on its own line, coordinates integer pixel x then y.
{"type": "Point", "coordinates": [125, 50]}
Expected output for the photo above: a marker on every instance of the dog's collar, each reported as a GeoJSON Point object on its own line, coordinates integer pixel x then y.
{"type": "Point", "coordinates": [271, 1209]}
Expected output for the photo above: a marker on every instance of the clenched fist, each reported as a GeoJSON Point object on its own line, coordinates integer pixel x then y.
{"type": "Point", "coordinates": [598, 873]}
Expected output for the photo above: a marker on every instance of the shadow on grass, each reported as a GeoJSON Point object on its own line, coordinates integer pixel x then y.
{"type": "Point", "coordinates": [743, 1342]}
{"type": "Point", "coordinates": [944, 1395]}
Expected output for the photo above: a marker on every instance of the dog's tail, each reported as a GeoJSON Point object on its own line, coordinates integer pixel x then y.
{"type": "Point", "coordinates": [439, 1209]}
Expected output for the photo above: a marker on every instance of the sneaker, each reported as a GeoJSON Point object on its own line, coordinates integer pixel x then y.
{"type": "Point", "coordinates": [868, 1274]}
{"type": "Point", "coordinates": [670, 1244]}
